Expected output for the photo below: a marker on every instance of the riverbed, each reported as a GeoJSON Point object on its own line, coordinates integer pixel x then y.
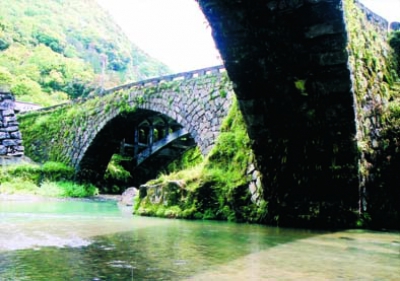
{"type": "Point", "coordinates": [101, 240]}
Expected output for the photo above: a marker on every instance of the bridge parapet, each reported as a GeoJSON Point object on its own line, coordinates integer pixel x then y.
{"type": "Point", "coordinates": [167, 78]}
{"type": "Point", "coordinates": [152, 82]}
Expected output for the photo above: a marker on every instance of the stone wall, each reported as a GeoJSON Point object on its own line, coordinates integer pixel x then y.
{"type": "Point", "coordinates": [374, 76]}
{"type": "Point", "coordinates": [10, 136]}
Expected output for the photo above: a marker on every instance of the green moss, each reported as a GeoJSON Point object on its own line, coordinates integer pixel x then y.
{"type": "Point", "coordinates": [215, 188]}
{"type": "Point", "coordinates": [301, 86]}
{"type": "Point", "coordinates": [51, 134]}
{"type": "Point", "coordinates": [377, 93]}
{"type": "Point", "coordinates": [48, 134]}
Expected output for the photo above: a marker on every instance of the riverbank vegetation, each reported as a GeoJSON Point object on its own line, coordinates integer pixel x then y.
{"type": "Point", "coordinates": [52, 179]}
{"type": "Point", "coordinates": [216, 187]}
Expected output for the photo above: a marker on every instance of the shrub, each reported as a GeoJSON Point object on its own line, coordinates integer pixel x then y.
{"type": "Point", "coordinates": [72, 189]}
{"type": "Point", "coordinates": [56, 171]}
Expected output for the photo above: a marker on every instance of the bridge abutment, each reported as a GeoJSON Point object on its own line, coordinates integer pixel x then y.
{"type": "Point", "coordinates": [11, 147]}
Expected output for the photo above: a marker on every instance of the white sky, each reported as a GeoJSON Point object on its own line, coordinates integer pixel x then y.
{"type": "Point", "coordinates": [176, 32]}
{"type": "Point", "coordinates": [389, 9]}
{"type": "Point", "coordinates": [172, 31]}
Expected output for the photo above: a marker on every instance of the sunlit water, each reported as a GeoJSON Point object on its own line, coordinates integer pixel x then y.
{"type": "Point", "coordinates": [99, 241]}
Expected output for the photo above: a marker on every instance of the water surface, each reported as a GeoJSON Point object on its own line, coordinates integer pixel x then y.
{"type": "Point", "coordinates": [97, 240]}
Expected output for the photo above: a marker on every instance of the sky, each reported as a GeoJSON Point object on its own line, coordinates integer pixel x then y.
{"type": "Point", "coordinates": [177, 33]}
{"type": "Point", "coordinates": [389, 9]}
{"type": "Point", "coordinates": [172, 31]}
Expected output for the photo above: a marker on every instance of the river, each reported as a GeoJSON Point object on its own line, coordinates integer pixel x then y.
{"type": "Point", "coordinates": [98, 240]}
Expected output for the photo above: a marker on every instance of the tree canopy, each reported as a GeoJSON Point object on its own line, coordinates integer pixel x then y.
{"type": "Point", "coordinates": [53, 50]}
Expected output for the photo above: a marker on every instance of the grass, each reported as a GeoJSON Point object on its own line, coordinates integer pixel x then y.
{"type": "Point", "coordinates": [215, 187]}
{"type": "Point", "coordinates": [52, 179]}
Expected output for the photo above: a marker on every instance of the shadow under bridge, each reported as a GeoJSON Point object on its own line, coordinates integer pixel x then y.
{"type": "Point", "coordinates": [147, 141]}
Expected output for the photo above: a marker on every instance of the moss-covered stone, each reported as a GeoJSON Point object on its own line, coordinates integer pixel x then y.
{"type": "Point", "coordinates": [215, 188]}
{"type": "Point", "coordinates": [376, 88]}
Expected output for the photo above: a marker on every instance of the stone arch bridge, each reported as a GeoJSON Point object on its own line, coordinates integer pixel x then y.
{"type": "Point", "coordinates": [152, 121]}
{"type": "Point", "coordinates": [306, 84]}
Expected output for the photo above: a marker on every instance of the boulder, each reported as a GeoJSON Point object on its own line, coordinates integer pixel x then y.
{"type": "Point", "coordinates": [128, 195]}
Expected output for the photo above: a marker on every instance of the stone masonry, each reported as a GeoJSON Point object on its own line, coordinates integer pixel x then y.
{"type": "Point", "coordinates": [288, 63]}
{"type": "Point", "coordinates": [10, 136]}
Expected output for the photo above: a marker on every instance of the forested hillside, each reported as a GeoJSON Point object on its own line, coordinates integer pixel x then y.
{"type": "Point", "coordinates": [53, 50]}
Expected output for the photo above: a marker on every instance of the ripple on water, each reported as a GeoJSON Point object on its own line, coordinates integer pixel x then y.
{"type": "Point", "coordinates": [11, 240]}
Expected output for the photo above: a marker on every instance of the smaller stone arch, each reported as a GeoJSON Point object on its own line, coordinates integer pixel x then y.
{"type": "Point", "coordinates": [195, 106]}
{"type": "Point", "coordinates": [196, 101]}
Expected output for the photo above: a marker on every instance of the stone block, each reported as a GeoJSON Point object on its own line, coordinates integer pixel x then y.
{"type": "Point", "coordinates": [9, 119]}
{"type": "Point", "coordinates": [4, 135]}
{"type": "Point", "coordinates": [323, 29]}
{"type": "Point", "coordinates": [15, 135]}
{"type": "Point", "coordinates": [329, 58]}
{"type": "Point", "coordinates": [9, 129]}
{"type": "Point", "coordinates": [19, 148]}
{"type": "Point", "coordinates": [10, 142]}
{"type": "Point", "coordinates": [8, 112]}
{"type": "Point", "coordinates": [3, 150]}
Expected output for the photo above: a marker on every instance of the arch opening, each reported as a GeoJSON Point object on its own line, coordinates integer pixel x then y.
{"type": "Point", "coordinates": [141, 143]}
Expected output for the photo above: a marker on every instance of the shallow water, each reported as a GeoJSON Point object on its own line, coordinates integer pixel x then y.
{"type": "Point", "coordinates": [93, 240]}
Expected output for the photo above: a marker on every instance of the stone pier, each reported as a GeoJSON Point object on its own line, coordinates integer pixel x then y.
{"type": "Point", "coordinates": [11, 148]}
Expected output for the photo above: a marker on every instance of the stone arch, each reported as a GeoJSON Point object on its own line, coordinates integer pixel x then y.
{"type": "Point", "coordinates": [118, 131]}
{"type": "Point", "coordinates": [198, 109]}
{"type": "Point", "coordinates": [291, 68]}
{"type": "Point", "coordinates": [198, 105]}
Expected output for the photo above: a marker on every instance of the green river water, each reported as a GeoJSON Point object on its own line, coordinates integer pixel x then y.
{"type": "Point", "coordinates": [99, 240]}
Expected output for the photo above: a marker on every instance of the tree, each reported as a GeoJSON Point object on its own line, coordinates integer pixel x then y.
{"type": "Point", "coordinates": [5, 77]}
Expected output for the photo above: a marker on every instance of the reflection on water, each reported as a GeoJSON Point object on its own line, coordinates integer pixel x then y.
{"type": "Point", "coordinates": [98, 241]}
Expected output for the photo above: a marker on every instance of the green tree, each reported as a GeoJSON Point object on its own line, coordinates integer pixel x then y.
{"type": "Point", "coordinates": [61, 46]}
{"type": "Point", "coordinates": [5, 77]}
{"type": "Point", "coordinates": [25, 87]}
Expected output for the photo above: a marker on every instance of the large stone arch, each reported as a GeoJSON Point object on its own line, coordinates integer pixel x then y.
{"type": "Point", "coordinates": [288, 63]}
{"type": "Point", "coordinates": [297, 73]}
